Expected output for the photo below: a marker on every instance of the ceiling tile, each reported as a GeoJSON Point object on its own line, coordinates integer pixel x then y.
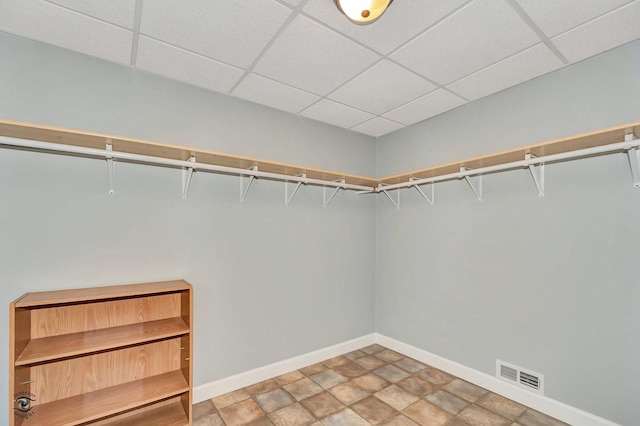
{"type": "Point", "coordinates": [119, 12]}
{"type": "Point", "coordinates": [313, 58]}
{"type": "Point", "coordinates": [58, 26]}
{"type": "Point", "coordinates": [234, 32]}
{"type": "Point", "coordinates": [425, 107]}
{"type": "Point", "coordinates": [377, 126]}
{"type": "Point", "coordinates": [172, 62]}
{"type": "Point", "coordinates": [336, 114]}
{"type": "Point", "coordinates": [514, 70]}
{"type": "Point", "coordinates": [607, 32]}
{"type": "Point", "coordinates": [271, 93]}
{"type": "Point", "coordinates": [403, 20]}
{"type": "Point", "coordinates": [381, 88]}
{"type": "Point", "coordinates": [293, 2]}
{"type": "Point", "coordinates": [554, 17]}
{"type": "Point", "coordinates": [479, 35]}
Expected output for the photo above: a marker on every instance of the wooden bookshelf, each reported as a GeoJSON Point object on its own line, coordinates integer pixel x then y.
{"type": "Point", "coordinates": [110, 355]}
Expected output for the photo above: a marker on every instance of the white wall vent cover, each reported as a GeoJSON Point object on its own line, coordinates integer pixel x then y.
{"type": "Point", "coordinates": [520, 376]}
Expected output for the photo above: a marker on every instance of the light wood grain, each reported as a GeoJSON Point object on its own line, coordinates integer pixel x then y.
{"type": "Point", "coordinates": [99, 293]}
{"type": "Point", "coordinates": [73, 344]}
{"type": "Point", "coordinates": [164, 413]}
{"type": "Point", "coordinates": [108, 401]}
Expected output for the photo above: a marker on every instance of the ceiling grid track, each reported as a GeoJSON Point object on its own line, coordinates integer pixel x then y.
{"type": "Point", "coordinates": [136, 32]}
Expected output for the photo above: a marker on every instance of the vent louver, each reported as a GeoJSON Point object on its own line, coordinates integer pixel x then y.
{"type": "Point", "coordinates": [519, 376]}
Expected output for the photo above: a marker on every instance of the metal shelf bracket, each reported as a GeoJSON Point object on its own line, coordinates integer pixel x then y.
{"type": "Point", "coordinates": [395, 202]}
{"type": "Point", "coordinates": [187, 175]}
{"type": "Point", "coordinates": [243, 190]}
{"type": "Point", "coordinates": [111, 169]}
{"type": "Point", "coordinates": [325, 201]}
{"type": "Point", "coordinates": [475, 183]}
{"type": "Point", "coordinates": [431, 199]}
{"type": "Point", "coordinates": [537, 173]}
{"type": "Point", "coordinates": [287, 197]}
{"type": "Point", "coordinates": [634, 160]}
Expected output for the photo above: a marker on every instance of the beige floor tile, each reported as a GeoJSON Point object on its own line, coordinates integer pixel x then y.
{"type": "Point", "coordinates": [346, 417]}
{"type": "Point", "coordinates": [313, 369]}
{"type": "Point", "coordinates": [322, 405]}
{"type": "Point", "coordinates": [289, 377]}
{"type": "Point", "coordinates": [292, 415]}
{"type": "Point", "coordinates": [478, 416]}
{"type": "Point", "coordinates": [410, 365]}
{"type": "Point", "coordinates": [328, 379]}
{"type": "Point", "coordinates": [388, 355]}
{"type": "Point", "coordinates": [371, 382]}
{"type": "Point", "coordinates": [426, 414]}
{"type": "Point", "coordinates": [399, 420]}
{"type": "Point", "coordinates": [262, 387]}
{"type": "Point", "coordinates": [396, 397]}
{"type": "Point", "coordinates": [370, 362]}
{"type": "Point", "coordinates": [303, 388]}
{"type": "Point", "coordinates": [391, 373]}
{"type": "Point", "coordinates": [447, 401]}
{"type": "Point", "coordinates": [212, 419]}
{"type": "Point", "coordinates": [500, 405]}
{"type": "Point", "coordinates": [336, 361]}
{"type": "Point", "coordinates": [348, 393]}
{"type": "Point", "coordinates": [203, 408]}
{"type": "Point", "coordinates": [260, 421]}
{"type": "Point", "coordinates": [465, 390]}
{"type": "Point", "coordinates": [373, 410]}
{"type": "Point", "coordinates": [416, 386]}
{"type": "Point", "coordinates": [273, 400]}
{"type": "Point", "coordinates": [350, 370]}
{"type": "Point", "coordinates": [355, 355]}
{"type": "Point", "coordinates": [534, 418]}
{"type": "Point", "coordinates": [372, 349]}
{"type": "Point", "coordinates": [435, 376]}
{"type": "Point", "coordinates": [230, 398]}
{"type": "Point", "coordinates": [240, 412]}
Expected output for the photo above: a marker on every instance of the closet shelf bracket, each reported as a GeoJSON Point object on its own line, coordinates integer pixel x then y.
{"type": "Point", "coordinates": [187, 175]}
{"type": "Point", "coordinates": [431, 199]}
{"type": "Point", "coordinates": [475, 182]}
{"type": "Point", "coordinates": [111, 169]}
{"type": "Point", "coordinates": [243, 190]}
{"type": "Point", "coordinates": [537, 173]}
{"type": "Point", "coordinates": [287, 197]}
{"type": "Point", "coordinates": [634, 160]}
{"type": "Point", "coordinates": [325, 200]}
{"type": "Point", "coordinates": [395, 202]}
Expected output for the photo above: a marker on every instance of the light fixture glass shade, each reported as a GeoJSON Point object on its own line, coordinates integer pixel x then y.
{"type": "Point", "coordinates": [362, 12]}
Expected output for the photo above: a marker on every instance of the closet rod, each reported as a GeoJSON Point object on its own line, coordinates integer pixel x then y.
{"type": "Point", "coordinates": [138, 158]}
{"type": "Point", "coordinates": [570, 155]}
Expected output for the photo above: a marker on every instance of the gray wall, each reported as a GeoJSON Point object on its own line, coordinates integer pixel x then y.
{"type": "Point", "coordinates": [270, 281]}
{"type": "Point", "coordinates": [550, 284]}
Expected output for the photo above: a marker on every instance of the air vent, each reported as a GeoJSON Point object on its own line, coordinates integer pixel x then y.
{"type": "Point", "coordinates": [520, 376]}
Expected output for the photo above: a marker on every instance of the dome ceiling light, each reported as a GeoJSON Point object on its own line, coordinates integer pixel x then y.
{"type": "Point", "coordinates": [362, 12]}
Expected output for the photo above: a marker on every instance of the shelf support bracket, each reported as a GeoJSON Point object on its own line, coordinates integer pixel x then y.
{"type": "Point", "coordinates": [187, 175]}
{"type": "Point", "coordinates": [431, 199]}
{"type": "Point", "coordinates": [475, 183]}
{"type": "Point", "coordinates": [537, 173]}
{"type": "Point", "coordinates": [395, 202]}
{"type": "Point", "coordinates": [634, 160]}
{"type": "Point", "coordinates": [287, 197]}
{"type": "Point", "coordinates": [243, 190]}
{"type": "Point", "coordinates": [111, 169]}
{"type": "Point", "coordinates": [325, 201]}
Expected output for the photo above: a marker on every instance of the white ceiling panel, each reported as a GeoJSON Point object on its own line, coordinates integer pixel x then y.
{"type": "Point", "coordinates": [313, 58]}
{"type": "Point", "coordinates": [274, 94]}
{"type": "Point", "coordinates": [336, 114]}
{"type": "Point", "coordinates": [377, 127]}
{"type": "Point", "coordinates": [604, 33]}
{"type": "Point", "coordinates": [293, 2]}
{"type": "Point", "coordinates": [477, 36]}
{"type": "Point", "coordinates": [55, 25]}
{"type": "Point", "coordinates": [119, 12]}
{"type": "Point", "coordinates": [514, 70]}
{"type": "Point", "coordinates": [178, 64]}
{"type": "Point", "coordinates": [425, 107]}
{"type": "Point", "coordinates": [234, 32]}
{"type": "Point", "coordinates": [382, 88]}
{"type": "Point", "coordinates": [555, 17]}
{"type": "Point", "coordinates": [399, 23]}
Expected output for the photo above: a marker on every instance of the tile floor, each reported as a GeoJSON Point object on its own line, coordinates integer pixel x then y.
{"type": "Point", "coordinates": [370, 386]}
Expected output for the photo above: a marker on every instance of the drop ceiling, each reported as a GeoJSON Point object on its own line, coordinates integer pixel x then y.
{"type": "Point", "coordinates": [422, 58]}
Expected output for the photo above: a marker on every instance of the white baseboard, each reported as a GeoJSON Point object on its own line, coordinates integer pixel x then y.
{"type": "Point", "coordinates": [546, 405]}
{"type": "Point", "coordinates": [248, 378]}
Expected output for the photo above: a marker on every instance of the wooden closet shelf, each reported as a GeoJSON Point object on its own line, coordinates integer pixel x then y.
{"type": "Point", "coordinates": [172, 414]}
{"type": "Point", "coordinates": [109, 401]}
{"type": "Point", "coordinates": [73, 344]}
